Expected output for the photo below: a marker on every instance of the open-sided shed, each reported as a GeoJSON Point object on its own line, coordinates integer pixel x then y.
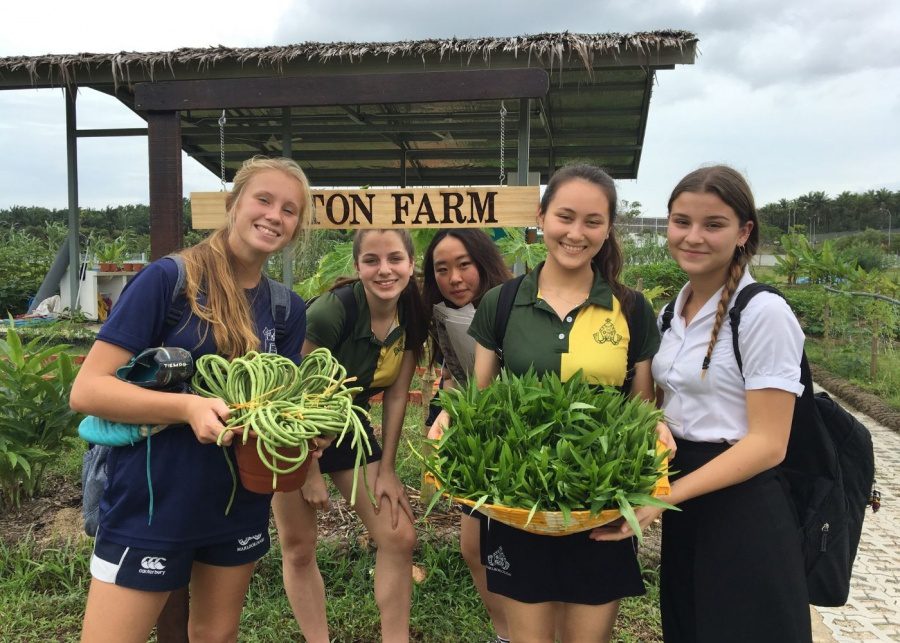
{"type": "Point", "coordinates": [416, 113]}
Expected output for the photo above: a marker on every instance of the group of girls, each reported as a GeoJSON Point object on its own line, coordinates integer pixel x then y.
{"type": "Point", "coordinates": [719, 553]}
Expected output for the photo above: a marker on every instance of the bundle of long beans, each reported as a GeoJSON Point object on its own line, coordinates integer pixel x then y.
{"type": "Point", "coordinates": [539, 444]}
{"type": "Point", "coordinates": [286, 405]}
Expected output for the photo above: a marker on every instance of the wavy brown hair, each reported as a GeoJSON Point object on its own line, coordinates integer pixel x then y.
{"type": "Point", "coordinates": [209, 266]}
{"type": "Point", "coordinates": [732, 188]}
{"type": "Point", "coordinates": [609, 260]}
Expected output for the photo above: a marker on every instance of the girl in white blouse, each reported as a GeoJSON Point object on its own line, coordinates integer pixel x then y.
{"type": "Point", "coordinates": [732, 568]}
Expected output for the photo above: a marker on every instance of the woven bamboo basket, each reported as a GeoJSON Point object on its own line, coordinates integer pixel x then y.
{"type": "Point", "coordinates": [552, 523]}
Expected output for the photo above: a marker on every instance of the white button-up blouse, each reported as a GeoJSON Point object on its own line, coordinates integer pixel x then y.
{"type": "Point", "coordinates": [714, 408]}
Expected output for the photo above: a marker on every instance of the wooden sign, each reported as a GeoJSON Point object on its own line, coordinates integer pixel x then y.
{"type": "Point", "coordinates": [457, 207]}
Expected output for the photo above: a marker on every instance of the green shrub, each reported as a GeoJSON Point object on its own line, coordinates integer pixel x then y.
{"type": "Point", "coordinates": [24, 261]}
{"type": "Point", "coordinates": [664, 274]}
{"type": "Point", "coordinates": [808, 304]}
{"type": "Point", "coordinates": [645, 249]}
{"type": "Point", "coordinates": [35, 380]}
{"type": "Point", "coordinates": [867, 257]}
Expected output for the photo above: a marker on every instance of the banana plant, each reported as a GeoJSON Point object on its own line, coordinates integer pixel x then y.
{"type": "Point", "coordinates": [515, 248]}
{"type": "Point", "coordinates": [35, 418]}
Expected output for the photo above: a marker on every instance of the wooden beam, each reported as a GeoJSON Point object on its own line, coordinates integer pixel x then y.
{"type": "Point", "coordinates": [410, 87]}
{"type": "Point", "coordinates": [101, 133]}
{"type": "Point", "coordinates": [391, 154]}
{"type": "Point", "coordinates": [166, 206]}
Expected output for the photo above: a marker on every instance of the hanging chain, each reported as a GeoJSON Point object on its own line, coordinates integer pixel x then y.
{"type": "Point", "coordinates": [222, 120]}
{"type": "Point", "coordinates": [502, 142]}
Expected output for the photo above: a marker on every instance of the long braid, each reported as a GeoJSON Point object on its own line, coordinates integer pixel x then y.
{"type": "Point", "coordinates": [736, 271]}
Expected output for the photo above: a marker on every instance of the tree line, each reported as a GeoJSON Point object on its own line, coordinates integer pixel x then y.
{"type": "Point", "coordinates": [815, 212]}
{"type": "Point", "coordinates": [848, 211]}
{"type": "Point", "coordinates": [107, 222]}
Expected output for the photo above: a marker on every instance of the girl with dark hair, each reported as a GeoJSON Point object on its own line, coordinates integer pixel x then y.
{"type": "Point", "coordinates": [460, 266]}
{"type": "Point", "coordinates": [732, 568]}
{"type": "Point", "coordinates": [136, 565]}
{"type": "Point", "coordinates": [381, 351]}
{"type": "Point", "coordinates": [466, 250]}
{"type": "Point", "coordinates": [567, 584]}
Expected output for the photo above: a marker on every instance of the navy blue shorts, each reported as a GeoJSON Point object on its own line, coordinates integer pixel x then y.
{"type": "Point", "coordinates": [159, 570]}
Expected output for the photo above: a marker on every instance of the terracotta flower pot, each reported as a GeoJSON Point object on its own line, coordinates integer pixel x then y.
{"type": "Point", "coordinates": [256, 477]}
{"type": "Point", "coordinates": [107, 266]}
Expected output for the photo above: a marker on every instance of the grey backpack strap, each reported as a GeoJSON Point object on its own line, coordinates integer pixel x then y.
{"type": "Point", "coordinates": [179, 303]}
{"type": "Point", "coordinates": [280, 299]}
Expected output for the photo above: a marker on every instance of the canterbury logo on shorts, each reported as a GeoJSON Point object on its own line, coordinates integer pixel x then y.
{"type": "Point", "coordinates": [153, 563]}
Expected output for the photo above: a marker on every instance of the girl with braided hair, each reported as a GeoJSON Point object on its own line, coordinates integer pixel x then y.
{"type": "Point", "coordinates": [731, 568]}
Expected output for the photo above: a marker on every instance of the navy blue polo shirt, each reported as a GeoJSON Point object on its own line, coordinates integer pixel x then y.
{"type": "Point", "coordinates": [191, 482]}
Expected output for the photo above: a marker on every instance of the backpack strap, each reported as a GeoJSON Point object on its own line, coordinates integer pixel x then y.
{"type": "Point", "coordinates": [178, 304]}
{"type": "Point", "coordinates": [347, 298]}
{"type": "Point", "coordinates": [505, 302]}
{"type": "Point", "coordinates": [734, 315]}
{"type": "Point", "coordinates": [668, 314]}
{"type": "Point", "coordinates": [280, 300]}
{"type": "Point", "coordinates": [637, 328]}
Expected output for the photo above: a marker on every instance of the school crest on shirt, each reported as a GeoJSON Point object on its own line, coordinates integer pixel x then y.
{"type": "Point", "coordinates": [607, 333]}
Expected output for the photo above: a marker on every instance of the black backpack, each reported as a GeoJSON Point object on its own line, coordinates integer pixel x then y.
{"type": "Point", "coordinates": [635, 319]}
{"type": "Point", "coordinates": [830, 469]}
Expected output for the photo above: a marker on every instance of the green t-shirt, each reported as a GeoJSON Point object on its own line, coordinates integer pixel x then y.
{"type": "Point", "coordinates": [374, 363]}
{"type": "Point", "coordinates": [593, 337]}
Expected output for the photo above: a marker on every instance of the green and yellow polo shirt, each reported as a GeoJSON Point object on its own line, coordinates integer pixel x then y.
{"type": "Point", "coordinates": [374, 363]}
{"type": "Point", "coordinates": [593, 337]}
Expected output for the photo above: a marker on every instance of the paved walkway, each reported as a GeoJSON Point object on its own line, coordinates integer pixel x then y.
{"type": "Point", "coordinates": [873, 610]}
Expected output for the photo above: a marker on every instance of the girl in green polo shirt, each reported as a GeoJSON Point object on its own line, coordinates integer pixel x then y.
{"type": "Point", "coordinates": [381, 350]}
{"type": "Point", "coordinates": [571, 313]}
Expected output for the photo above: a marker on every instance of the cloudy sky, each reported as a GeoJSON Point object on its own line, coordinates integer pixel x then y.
{"type": "Point", "coordinates": [800, 95]}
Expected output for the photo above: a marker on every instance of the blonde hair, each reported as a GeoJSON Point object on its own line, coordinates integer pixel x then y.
{"type": "Point", "coordinates": [732, 188]}
{"type": "Point", "coordinates": [209, 266]}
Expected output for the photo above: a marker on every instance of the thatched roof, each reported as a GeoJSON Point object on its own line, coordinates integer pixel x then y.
{"type": "Point", "coordinates": [548, 50]}
{"type": "Point", "coordinates": [595, 108]}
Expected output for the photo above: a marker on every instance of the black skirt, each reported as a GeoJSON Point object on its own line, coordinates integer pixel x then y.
{"type": "Point", "coordinates": [533, 568]}
{"type": "Point", "coordinates": [732, 568]}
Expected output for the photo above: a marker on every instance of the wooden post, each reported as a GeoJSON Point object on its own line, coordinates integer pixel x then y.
{"type": "Point", "coordinates": [166, 205]}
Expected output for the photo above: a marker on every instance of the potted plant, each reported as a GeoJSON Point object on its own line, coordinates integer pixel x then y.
{"type": "Point", "coordinates": [110, 253]}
